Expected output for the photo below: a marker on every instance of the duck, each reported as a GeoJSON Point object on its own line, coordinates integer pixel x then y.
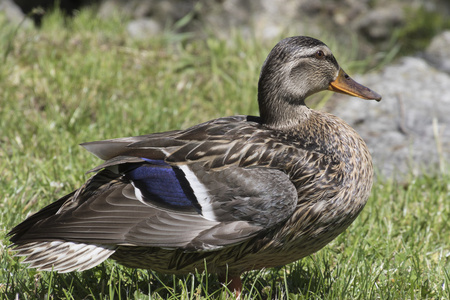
{"type": "Point", "coordinates": [230, 195]}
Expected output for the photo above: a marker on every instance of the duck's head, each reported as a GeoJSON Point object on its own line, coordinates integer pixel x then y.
{"type": "Point", "coordinates": [296, 68]}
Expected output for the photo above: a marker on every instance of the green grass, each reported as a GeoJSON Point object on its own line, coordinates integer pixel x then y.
{"type": "Point", "coordinates": [81, 80]}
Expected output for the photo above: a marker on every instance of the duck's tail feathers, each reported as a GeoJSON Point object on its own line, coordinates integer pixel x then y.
{"type": "Point", "coordinates": [63, 256]}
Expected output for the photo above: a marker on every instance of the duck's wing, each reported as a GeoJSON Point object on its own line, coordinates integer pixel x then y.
{"type": "Point", "coordinates": [201, 189]}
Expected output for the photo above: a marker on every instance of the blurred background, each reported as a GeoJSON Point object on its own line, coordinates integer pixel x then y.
{"type": "Point", "coordinates": [406, 24]}
{"type": "Point", "coordinates": [405, 43]}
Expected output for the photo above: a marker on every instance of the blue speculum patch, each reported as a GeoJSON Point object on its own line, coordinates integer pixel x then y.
{"type": "Point", "coordinates": [164, 184]}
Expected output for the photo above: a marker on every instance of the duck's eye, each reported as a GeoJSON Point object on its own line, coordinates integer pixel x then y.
{"type": "Point", "coordinates": [319, 54]}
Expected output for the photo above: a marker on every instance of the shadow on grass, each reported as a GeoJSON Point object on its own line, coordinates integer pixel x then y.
{"type": "Point", "coordinates": [299, 280]}
{"type": "Point", "coordinates": [112, 281]}
{"type": "Point", "coordinates": [102, 282]}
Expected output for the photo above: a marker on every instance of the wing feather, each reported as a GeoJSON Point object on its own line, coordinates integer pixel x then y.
{"type": "Point", "coordinates": [245, 190]}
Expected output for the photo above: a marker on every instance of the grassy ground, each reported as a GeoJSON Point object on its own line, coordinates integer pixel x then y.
{"type": "Point", "coordinates": [84, 80]}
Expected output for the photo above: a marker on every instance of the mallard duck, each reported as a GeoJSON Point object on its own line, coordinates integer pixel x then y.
{"type": "Point", "coordinates": [233, 194]}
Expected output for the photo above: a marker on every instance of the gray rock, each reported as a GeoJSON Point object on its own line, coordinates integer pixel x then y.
{"type": "Point", "coordinates": [161, 11]}
{"type": "Point", "coordinates": [143, 28]}
{"type": "Point", "coordinates": [438, 52]}
{"type": "Point", "coordinates": [148, 17]}
{"type": "Point", "coordinates": [14, 13]}
{"type": "Point", "coordinates": [264, 19]}
{"type": "Point", "coordinates": [409, 130]}
{"type": "Point", "coordinates": [130, 8]}
{"type": "Point", "coordinates": [377, 24]}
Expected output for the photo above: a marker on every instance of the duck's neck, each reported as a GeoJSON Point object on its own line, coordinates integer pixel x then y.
{"type": "Point", "coordinates": [282, 114]}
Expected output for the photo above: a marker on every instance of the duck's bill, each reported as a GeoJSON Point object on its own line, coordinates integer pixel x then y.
{"type": "Point", "coordinates": [345, 85]}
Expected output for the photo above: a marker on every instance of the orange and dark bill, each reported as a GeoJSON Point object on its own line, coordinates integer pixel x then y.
{"type": "Point", "coordinates": [345, 85]}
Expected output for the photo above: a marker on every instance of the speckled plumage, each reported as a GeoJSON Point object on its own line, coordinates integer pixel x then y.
{"type": "Point", "coordinates": [239, 193]}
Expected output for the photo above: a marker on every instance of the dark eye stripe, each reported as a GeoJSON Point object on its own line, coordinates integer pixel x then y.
{"type": "Point", "coordinates": [328, 57]}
